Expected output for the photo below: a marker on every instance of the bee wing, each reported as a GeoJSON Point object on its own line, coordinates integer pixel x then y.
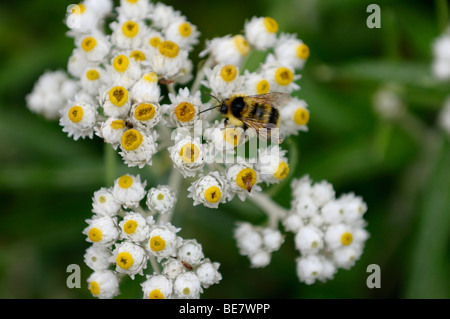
{"type": "Point", "coordinates": [276, 99]}
{"type": "Point", "coordinates": [266, 131]}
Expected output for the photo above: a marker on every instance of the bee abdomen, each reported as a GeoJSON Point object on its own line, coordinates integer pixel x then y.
{"type": "Point", "coordinates": [274, 117]}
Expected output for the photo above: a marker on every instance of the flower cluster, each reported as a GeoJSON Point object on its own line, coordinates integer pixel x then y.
{"type": "Point", "coordinates": [441, 53]}
{"type": "Point", "coordinates": [125, 238]}
{"type": "Point", "coordinates": [329, 232]}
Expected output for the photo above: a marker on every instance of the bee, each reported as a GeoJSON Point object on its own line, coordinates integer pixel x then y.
{"type": "Point", "coordinates": [258, 113]}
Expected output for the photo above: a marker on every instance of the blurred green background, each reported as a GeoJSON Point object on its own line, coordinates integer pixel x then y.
{"type": "Point", "coordinates": [400, 167]}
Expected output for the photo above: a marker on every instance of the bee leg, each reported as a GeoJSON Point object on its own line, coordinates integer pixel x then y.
{"type": "Point", "coordinates": [225, 122]}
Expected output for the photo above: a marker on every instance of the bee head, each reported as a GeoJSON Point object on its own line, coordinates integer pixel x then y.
{"type": "Point", "coordinates": [223, 108]}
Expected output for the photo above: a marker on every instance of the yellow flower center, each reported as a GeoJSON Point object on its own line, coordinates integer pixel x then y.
{"type": "Point", "coordinates": [144, 112]}
{"type": "Point", "coordinates": [282, 171]}
{"type": "Point", "coordinates": [76, 114]}
{"type": "Point", "coordinates": [303, 51]}
{"type": "Point", "coordinates": [346, 239]}
{"type": "Point", "coordinates": [121, 63]}
{"type": "Point", "coordinates": [79, 8]}
{"type": "Point", "coordinates": [131, 140]}
{"type": "Point", "coordinates": [150, 77]}
{"type": "Point", "coordinates": [118, 96]}
{"type": "Point", "coordinates": [185, 29]}
{"type": "Point", "coordinates": [213, 194]}
{"type": "Point", "coordinates": [189, 153]}
{"type": "Point", "coordinates": [88, 44]}
{"type": "Point", "coordinates": [301, 116]}
{"type": "Point", "coordinates": [92, 74]}
{"type": "Point", "coordinates": [130, 29]}
{"type": "Point", "coordinates": [270, 24]}
{"type": "Point", "coordinates": [186, 291]}
{"type": "Point", "coordinates": [102, 199]}
{"type": "Point", "coordinates": [95, 234]}
{"type": "Point", "coordinates": [130, 227]}
{"type": "Point", "coordinates": [232, 136]}
{"type": "Point", "coordinates": [160, 196]}
{"type": "Point", "coordinates": [284, 76]}
{"type": "Point", "coordinates": [241, 45]}
{"type": "Point", "coordinates": [157, 243]}
{"type": "Point", "coordinates": [125, 181]}
{"type": "Point", "coordinates": [156, 294]}
{"type": "Point", "coordinates": [124, 260]}
{"type": "Point", "coordinates": [228, 73]}
{"type": "Point", "coordinates": [155, 41]}
{"type": "Point", "coordinates": [94, 288]}
{"type": "Point", "coordinates": [137, 55]}
{"type": "Point", "coordinates": [184, 112]}
{"type": "Point", "coordinates": [168, 49]}
{"type": "Point", "coordinates": [133, 1]}
{"type": "Point", "coordinates": [246, 179]}
{"type": "Point", "coordinates": [263, 87]}
{"type": "Point", "coordinates": [117, 124]}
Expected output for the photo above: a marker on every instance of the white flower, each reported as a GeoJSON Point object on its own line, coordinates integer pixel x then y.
{"type": "Point", "coordinates": [190, 252]}
{"type": "Point", "coordinates": [187, 286]}
{"type": "Point", "coordinates": [209, 190]}
{"type": "Point", "coordinates": [97, 258]}
{"type": "Point", "coordinates": [78, 63]}
{"type": "Point", "coordinates": [92, 79]}
{"type": "Point", "coordinates": [101, 231]}
{"type": "Point", "coordinates": [137, 9]}
{"type": "Point", "coordinates": [162, 15]}
{"type": "Point", "coordinates": [134, 227]}
{"type": "Point", "coordinates": [163, 241]}
{"type": "Point", "coordinates": [256, 83]}
{"type": "Point", "coordinates": [187, 155]}
{"type": "Point", "coordinates": [78, 119]}
{"type": "Point", "coordinates": [184, 108]}
{"type": "Point", "coordinates": [161, 199]}
{"type": "Point", "coordinates": [157, 287]}
{"type": "Point", "coordinates": [223, 80]}
{"type": "Point", "coordinates": [115, 101]}
{"type": "Point", "coordinates": [309, 240]}
{"type": "Point", "coordinates": [441, 62]}
{"type": "Point", "coordinates": [260, 259]}
{"type": "Point", "coordinates": [124, 71]}
{"type": "Point", "coordinates": [294, 117]}
{"type": "Point", "coordinates": [50, 94]}
{"type": "Point", "coordinates": [353, 206]}
{"type": "Point", "coordinates": [388, 104]}
{"type": "Point", "coordinates": [130, 259]}
{"type": "Point", "coordinates": [345, 257]}
{"type": "Point", "coordinates": [183, 33]}
{"type": "Point", "coordinates": [322, 192]}
{"type": "Point", "coordinates": [138, 147]}
{"type": "Point", "coordinates": [291, 51]}
{"type": "Point", "coordinates": [333, 212]}
{"type": "Point", "coordinates": [272, 239]}
{"type": "Point", "coordinates": [83, 18]}
{"type": "Point", "coordinates": [129, 190]}
{"type": "Point", "coordinates": [309, 269]}
{"type": "Point", "coordinates": [227, 50]}
{"type": "Point", "coordinates": [100, 7]}
{"type": "Point", "coordinates": [242, 179]}
{"type": "Point", "coordinates": [249, 240]}
{"type": "Point", "coordinates": [95, 46]}
{"type": "Point", "coordinates": [261, 32]}
{"type": "Point", "coordinates": [172, 267]}
{"type": "Point", "coordinates": [112, 131]}
{"type": "Point", "coordinates": [169, 60]}
{"type": "Point", "coordinates": [444, 117]}
{"type": "Point", "coordinates": [104, 203]}
{"type": "Point", "coordinates": [128, 33]}
{"type": "Point", "coordinates": [103, 284]}
{"type": "Point", "coordinates": [272, 164]}
{"type": "Point", "coordinates": [224, 140]}
{"type": "Point", "coordinates": [281, 76]}
{"type": "Point", "coordinates": [293, 222]}
{"type": "Point", "coordinates": [208, 273]}
{"type": "Point", "coordinates": [146, 89]}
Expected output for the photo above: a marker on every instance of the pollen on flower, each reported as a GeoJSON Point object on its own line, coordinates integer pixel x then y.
{"type": "Point", "coordinates": [160, 196]}
{"type": "Point", "coordinates": [95, 234]}
{"type": "Point", "coordinates": [282, 171]}
{"type": "Point", "coordinates": [346, 239]}
{"type": "Point", "coordinates": [168, 49]}
{"type": "Point", "coordinates": [156, 294]}
{"type": "Point", "coordinates": [301, 116]}
{"type": "Point", "coordinates": [131, 140]}
{"type": "Point", "coordinates": [185, 29]}
{"type": "Point", "coordinates": [125, 181]}
{"type": "Point", "coordinates": [263, 87]}
{"type": "Point", "coordinates": [270, 24]}
{"type": "Point", "coordinates": [184, 112]}
{"type": "Point", "coordinates": [78, 9]}
{"type": "Point", "coordinates": [102, 199]}
{"type": "Point", "coordinates": [303, 51]}
{"type": "Point", "coordinates": [130, 29]}
{"type": "Point", "coordinates": [121, 63]}
{"type": "Point", "coordinates": [118, 96]}
{"type": "Point", "coordinates": [76, 114]}
{"type": "Point", "coordinates": [246, 179]}
{"type": "Point", "coordinates": [155, 41]}
{"type": "Point", "coordinates": [157, 243]}
{"type": "Point", "coordinates": [284, 76]}
{"type": "Point", "coordinates": [150, 77]}
{"type": "Point", "coordinates": [213, 194]}
{"type": "Point", "coordinates": [189, 153]}
{"type": "Point", "coordinates": [144, 112]}
{"type": "Point", "coordinates": [92, 74]}
{"type": "Point", "coordinates": [241, 44]}
{"type": "Point", "coordinates": [228, 73]}
{"type": "Point", "coordinates": [232, 136]}
{"type": "Point", "coordinates": [117, 124]}
{"type": "Point", "coordinates": [88, 43]}
{"type": "Point", "coordinates": [138, 55]}
{"type": "Point", "coordinates": [124, 260]}
{"type": "Point", "coordinates": [130, 227]}
{"type": "Point", "coordinates": [94, 288]}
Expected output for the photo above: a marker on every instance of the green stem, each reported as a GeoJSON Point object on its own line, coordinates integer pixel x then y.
{"type": "Point", "coordinates": [274, 211]}
{"type": "Point", "coordinates": [110, 164]}
{"type": "Point", "coordinates": [201, 74]}
{"type": "Point", "coordinates": [442, 12]}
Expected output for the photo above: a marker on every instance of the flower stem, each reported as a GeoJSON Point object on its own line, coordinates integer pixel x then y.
{"type": "Point", "coordinates": [274, 211]}
{"type": "Point", "coordinates": [110, 164]}
{"type": "Point", "coordinates": [175, 180]}
{"type": "Point", "coordinates": [154, 264]}
{"type": "Point", "coordinates": [442, 12]}
{"type": "Point", "coordinates": [201, 74]}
